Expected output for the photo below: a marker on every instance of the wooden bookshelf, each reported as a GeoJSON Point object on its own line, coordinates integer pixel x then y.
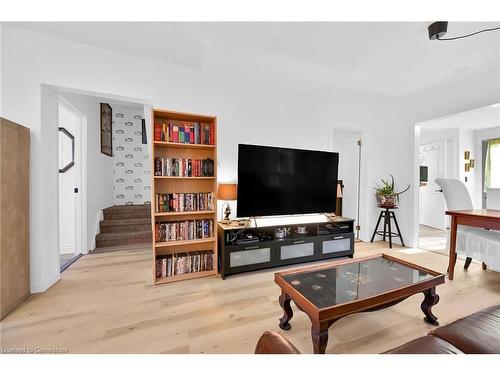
{"type": "Point", "coordinates": [181, 184]}
{"type": "Point", "coordinates": [184, 213]}
{"type": "Point", "coordinates": [184, 242]}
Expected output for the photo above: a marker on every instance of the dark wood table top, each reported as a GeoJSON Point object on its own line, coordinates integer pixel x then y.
{"type": "Point", "coordinates": [486, 213]}
{"type": "Point", "coordinates": [339, 288]}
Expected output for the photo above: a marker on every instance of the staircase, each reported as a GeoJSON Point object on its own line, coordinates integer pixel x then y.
{"type": "Point", "coordinates": [124, 225]}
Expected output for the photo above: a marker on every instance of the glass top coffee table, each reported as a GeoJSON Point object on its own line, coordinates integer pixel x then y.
{"type": "Point", "coordinates": [330, 291]}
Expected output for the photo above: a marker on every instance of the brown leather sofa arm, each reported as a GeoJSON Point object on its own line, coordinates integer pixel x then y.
{"type": "Point", "coordinates": [426, 345]}
{"type": "Point", "coordinates": [474, 334]}
{"type": "Point", "coordinates": [273, 343]}
{"type": "Point", "coordinates": [478, 333]}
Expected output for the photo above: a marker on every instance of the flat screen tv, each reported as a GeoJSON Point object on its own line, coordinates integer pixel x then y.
{"type": "Point", "coordinates": [285, 181]}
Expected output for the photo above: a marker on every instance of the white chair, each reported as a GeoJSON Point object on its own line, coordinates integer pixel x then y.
{"type": "Point", "coordinates": [477, 243]}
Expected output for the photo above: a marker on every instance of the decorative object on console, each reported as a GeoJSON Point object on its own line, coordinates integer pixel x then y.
{"type": "Point", "coordinates": [385, 194]}
{"type": "Point", "coordinates": [301, 229]}
{"type": "Point", "coordinates": [280, 233]}
{"type": "Point", "coordinates": [227, 192]}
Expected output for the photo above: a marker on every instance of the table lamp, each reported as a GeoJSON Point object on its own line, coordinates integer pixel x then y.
{"type": "Point", "coordinates": [227, 192]}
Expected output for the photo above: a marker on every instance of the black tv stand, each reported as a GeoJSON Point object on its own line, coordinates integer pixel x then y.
{"type": "Point", "coordinates": [256, 246]}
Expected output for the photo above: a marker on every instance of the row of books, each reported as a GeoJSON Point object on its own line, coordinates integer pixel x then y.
{"type": "Point", "coordinates": [191, 133]}
{"type": "Point", "coordinates": [184, 230]}
{"type": "Point", "coordinates": [184, 167]}
{"type": "Point", "coordinates": [178, 264]}
{"type": "Point", "coordinates": [179, 202]}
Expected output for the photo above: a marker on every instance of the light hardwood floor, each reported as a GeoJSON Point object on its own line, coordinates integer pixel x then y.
{"type": "Point", "coordinates": [105, 303]}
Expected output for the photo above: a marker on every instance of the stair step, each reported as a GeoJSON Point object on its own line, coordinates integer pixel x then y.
{"type": "Point", "coordinates": [142, 234]}
{"type": "Point", "coordinates": [128, 208]}
{"type": "Point", "coordinates": [126, 215]}
{"type": "Point", "coordinates": [125, 228]}
{"type": "Point", "coordinates": [120, 222]}
{"type": "Point", "coordinates": [116, 239]}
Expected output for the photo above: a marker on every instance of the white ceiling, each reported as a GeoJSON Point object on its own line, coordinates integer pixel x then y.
{"type": "Point", "coordinates": [476, 119]}
{"type": "Point", "coordinates": [389, 58]}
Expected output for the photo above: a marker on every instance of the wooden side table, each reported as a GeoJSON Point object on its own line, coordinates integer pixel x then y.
{"type": "Point", "coordinates": [387, 214]}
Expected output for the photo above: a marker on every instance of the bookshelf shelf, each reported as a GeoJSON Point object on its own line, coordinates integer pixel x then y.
{"type": "Point", "coordinates": [184, 145]}
{"type": "Point", "coordinates": [183, 178]}
{"type": "Point", "coordinates": [177, 121]}
{"type": "Point", "coordinates": [184, 213]}
{"type": "Point", "coordinates": [184, 242]}
{"type": "Point", "coordinates": [185, 276]}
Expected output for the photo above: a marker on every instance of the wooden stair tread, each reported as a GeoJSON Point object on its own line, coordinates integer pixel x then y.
{"type": "Point", "coordinates": [121, 222]}
{"type": "Point", "coordinates": [124, 235]}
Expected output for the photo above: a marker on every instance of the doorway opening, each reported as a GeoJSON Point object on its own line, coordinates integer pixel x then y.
{"type": "Point", "coordinates": [348, 144]}
{"type": "Point", "coordinates": [451, 147]}
{"type": "Point", "coordinates": [71, 168]}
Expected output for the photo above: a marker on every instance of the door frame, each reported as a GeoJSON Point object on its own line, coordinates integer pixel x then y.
{"type": "Point", "coordinates": [361, 194]}
{"type": "Point", "coordinates": [81, 178]}
{"type": "Point", "coordinates": [444, 144]}
{"type": "Point", "coordinates": [415, 188]}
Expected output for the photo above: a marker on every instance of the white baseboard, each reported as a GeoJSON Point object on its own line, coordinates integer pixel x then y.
{"type": "Point", "coordinates": [66, 249]}
{"type": "Point", "coordinates": [97, 229]}
{"type": "Point", "coordinates": [42, 285]}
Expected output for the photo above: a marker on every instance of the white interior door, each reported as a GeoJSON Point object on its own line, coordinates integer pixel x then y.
{"type": "Point", "coordinates": [432, 203]}
{"type": "Point", "coordinates": [68, 180]}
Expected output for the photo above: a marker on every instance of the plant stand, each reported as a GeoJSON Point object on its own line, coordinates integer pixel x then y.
{"type": "Point", "coordinates": [387, 214]}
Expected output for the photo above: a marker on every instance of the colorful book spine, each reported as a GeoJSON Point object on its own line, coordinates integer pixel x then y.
{"type": "Point", "coordinates": [188, 133]}
{"type": "Point", "coordinates": [179, 202]}
{"type": "Point", "coordinates": [183, 263]}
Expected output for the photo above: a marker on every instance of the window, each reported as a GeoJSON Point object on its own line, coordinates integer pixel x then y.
{"type": "Point", "coordinates": [492, 166]}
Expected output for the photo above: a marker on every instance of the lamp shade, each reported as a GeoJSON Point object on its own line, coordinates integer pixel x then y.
{"type": "Point", "coordinates": [227, 192]}
{"type": "Point", "coordinates": [339, 190]}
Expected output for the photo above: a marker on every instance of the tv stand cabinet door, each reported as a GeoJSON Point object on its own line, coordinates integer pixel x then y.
{"type": "Point", "coordinates": [295, 250]}
{"type": "Point", "coordinates": [249, 257]}
{"type": "Point", "coordinates": [340, 243]}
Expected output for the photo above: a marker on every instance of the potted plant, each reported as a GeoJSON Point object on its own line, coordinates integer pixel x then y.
{"type": "Point", "coordinates": [385, 194]}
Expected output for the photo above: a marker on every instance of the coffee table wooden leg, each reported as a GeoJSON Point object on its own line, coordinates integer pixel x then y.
{"type": "Point", "coordinates": [431, 299]}
{"type": "Point", "coordinates": [319, 335]}
{"type": "Point", "coordinates": [287, 311]}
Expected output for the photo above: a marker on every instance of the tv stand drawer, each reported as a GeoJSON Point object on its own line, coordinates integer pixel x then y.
{"type": "Point", "coordinates": [251, 254]}
{"type": "Point", "coordinates": [338, 243]}
{"type": "Point", "coordinates": [297, 249]}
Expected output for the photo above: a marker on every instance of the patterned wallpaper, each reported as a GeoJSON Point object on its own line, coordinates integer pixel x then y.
{"type": "Point", "coordinates": [131, 162]}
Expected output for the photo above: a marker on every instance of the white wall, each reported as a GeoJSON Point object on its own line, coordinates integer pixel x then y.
{"type": "Point", "coordinates": [131, 162]}
{"type": "Point", "coordinates": [99, 182]}
{"type": "Point", "coordinates": [246, 113]}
